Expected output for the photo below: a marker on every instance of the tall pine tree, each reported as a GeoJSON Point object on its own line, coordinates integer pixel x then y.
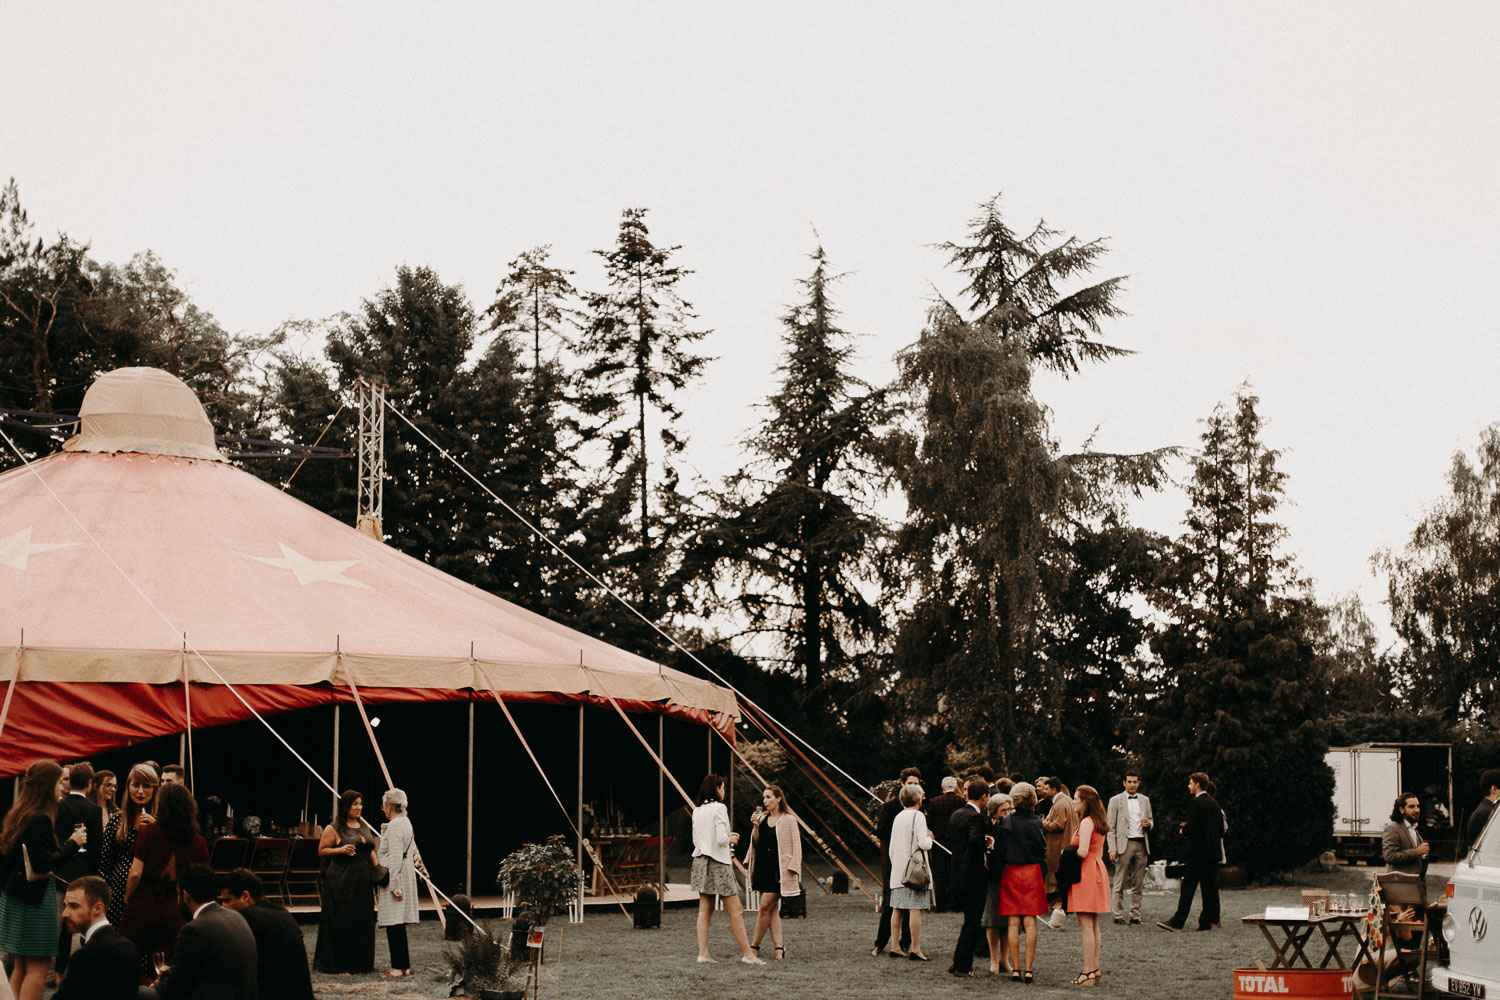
{"type": "Point", "coordinates": [1243, 687]}
{"type": "Point", "coordinates": [796, 529]}
{"type": "Point", "coordinates": [638, 352]}
{"type": "Point", "coordinates": [993, 507]}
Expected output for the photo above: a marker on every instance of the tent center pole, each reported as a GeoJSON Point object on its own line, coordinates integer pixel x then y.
{"type": "Point", "coordinates": [469, 835]}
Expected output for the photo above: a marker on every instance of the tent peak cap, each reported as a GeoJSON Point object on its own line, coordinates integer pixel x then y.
{"type": "Point", "coordinates": [145, 411]}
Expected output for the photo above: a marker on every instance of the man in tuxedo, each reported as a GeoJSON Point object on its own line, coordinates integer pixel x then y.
{"type": "Point", "coordinates": [1401, 843]}
{"type": "Point", "coordinates": [940, 809]}
{"type": "Point", "coordinates": [1204, 830]}
{"type": "Point", "coordinates": [966, 832]}
{"type": "Point", "coordinates": [215, 957]}
{"type": "Point", "coordinates": [1129, 842]}
{"type": "Point", "coordinates": [72, 809]}
{"type": "Point", "coordinates": [909, 776]}
{"type": "Point", "coordinates": [281, 956]}
{"type": "Point", "coordinates": [107, 967]}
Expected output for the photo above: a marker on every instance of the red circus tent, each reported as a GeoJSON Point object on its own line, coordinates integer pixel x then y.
{"type": "Point", "coordinates": [287, 604]}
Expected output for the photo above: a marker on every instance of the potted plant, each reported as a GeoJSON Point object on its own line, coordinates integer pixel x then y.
{"type": "Point", "coordinates": [479, 966]}
{"type": "Point", "coordinates": [543, 877]}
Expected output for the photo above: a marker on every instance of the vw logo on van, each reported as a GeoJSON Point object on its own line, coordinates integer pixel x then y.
{"type": "Point", "coordinates": [1477, 926]}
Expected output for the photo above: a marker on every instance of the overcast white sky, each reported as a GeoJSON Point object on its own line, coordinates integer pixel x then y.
{"type": "Point", "coordinates": [1303, 195]}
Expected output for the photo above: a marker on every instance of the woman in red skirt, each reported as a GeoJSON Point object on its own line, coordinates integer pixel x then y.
{"type": "Point", "coordinates": [1023, 892]}
{"type": "Point", "coordinates": [1089, 896]}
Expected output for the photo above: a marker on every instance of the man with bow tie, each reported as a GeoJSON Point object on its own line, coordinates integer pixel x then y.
{"type": "Point", "coordinates": [1129, 842]}
{"type": "Point", "coordinates": [1401, 844]}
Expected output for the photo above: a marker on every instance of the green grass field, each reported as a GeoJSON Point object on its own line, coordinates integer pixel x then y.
{"type": "Point", "coordinates": [828, 955]}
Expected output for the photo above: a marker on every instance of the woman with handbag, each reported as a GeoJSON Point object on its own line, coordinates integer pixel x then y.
{"type": "Point", "coordinates": [775, 862]}
{"type": "Point", "coordinates": [1089, 895]}
{"type": "Point", "coordinates": [1023, 888]}
{"type": "Point", "coordinates": [28, 906]}
{"type": "Point", "coordinates": [713, 871]}
{"type": "Point", "coordinates": [396, 877]}
{"type": "Point", "coordinates": [346, 926]}
{"type": "Point", "coordinates": [911, 872]}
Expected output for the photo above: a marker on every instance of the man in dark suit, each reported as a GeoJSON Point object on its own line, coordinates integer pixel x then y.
{"type": "Point", "coordinates": [1401, 842]}
{"type": "Point", "coordinates": [107, 967]}
{"type": "Point", "coordinates": [281, 956]}
{"type": "Point", "coordinates": [73, 809]}
{"type": "Point", "coordinates": [966, 830]}
{"type": "Point", "coordinates": [215, 956]}
{"type": "Point", "coordinates": [1204, 829]}
{"type": "Point", "coordinates": [940, 809]}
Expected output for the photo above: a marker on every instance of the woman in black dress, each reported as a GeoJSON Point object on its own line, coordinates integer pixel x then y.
{"type": "Point", "coordinates": [120, 832]}
{"type": "Point", "coordinates": [346, 928]}
{"type": "Point", "coordinates": [775, 860]}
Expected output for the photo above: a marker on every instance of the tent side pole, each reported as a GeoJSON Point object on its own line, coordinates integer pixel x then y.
{"type": "Point", "coordinates": [661, 809]}
{"type": "Point", "coordinates": [469, 827]}
{"type": "Point", "coordinates": [335, 808]}
{"type": "Point", "coordinates": [580, 786]}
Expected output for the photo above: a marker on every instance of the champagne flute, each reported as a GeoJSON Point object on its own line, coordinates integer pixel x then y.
{"type": "Point", "coordinates": [159, 961]}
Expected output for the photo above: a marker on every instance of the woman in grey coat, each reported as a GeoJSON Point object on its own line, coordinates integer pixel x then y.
{"type": "Point", "coordinates": [396, 902]}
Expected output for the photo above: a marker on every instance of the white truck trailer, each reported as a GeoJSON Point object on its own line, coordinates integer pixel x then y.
{"type": "Point", "coordinates": [1366, 780]}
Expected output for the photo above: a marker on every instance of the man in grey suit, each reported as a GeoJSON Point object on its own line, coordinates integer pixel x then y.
{"type": "Point", "coordinates": [1129, 842]}
{"type": "Point", "coordinates": [1401, 844]}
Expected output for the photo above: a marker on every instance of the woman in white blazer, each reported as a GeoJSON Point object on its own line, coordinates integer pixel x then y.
{"type": "Point", "coordinates": [713, 871]}
{"type": "Point", "coordinates": [396, 901]}
{"type": "Point", "coordinates": [909, 834]}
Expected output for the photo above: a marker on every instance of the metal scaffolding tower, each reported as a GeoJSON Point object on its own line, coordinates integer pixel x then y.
{"type": "Point", "coordinates": [371, 401]}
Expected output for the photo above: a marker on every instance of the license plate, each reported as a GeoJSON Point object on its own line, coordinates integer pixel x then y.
{"type": "Point", "coordinates": [1464, 988]}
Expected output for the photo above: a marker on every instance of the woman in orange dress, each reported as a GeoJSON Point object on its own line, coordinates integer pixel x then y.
{"type": "Point", "coordinates": [1089, 897]}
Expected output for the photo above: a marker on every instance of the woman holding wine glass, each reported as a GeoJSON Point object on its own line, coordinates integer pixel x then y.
{"type": "Point", "coordinates": [775, 862]}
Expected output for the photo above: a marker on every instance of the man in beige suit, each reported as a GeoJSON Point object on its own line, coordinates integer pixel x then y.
{"type": "Point", "coordinates": [1060, 825]}
{"type": "Point", "coordinates": [1129, 842]}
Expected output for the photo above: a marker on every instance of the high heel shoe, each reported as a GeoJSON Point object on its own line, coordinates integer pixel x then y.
{"type": "Point", "coordinates": [1015, 975]}
{"type": "Point", "coordinates": [1029, 978]}
{"type": "Point", "coordinates": [1088, 979]}
{"type": "Point", "coordinates": [780, 952]}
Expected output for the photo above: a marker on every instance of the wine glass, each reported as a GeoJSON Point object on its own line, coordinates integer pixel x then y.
{"type": "Point", "coordinates": [82, 848]}
{"type": "Point", "coordinates": [159, 961]}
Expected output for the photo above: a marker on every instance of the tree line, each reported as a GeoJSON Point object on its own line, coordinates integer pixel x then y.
{"type": "Point", "coordinates": [909, 571]}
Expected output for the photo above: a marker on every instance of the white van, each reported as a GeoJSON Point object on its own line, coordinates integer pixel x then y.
{"type": "Point", "coordinates": [1472, 926]}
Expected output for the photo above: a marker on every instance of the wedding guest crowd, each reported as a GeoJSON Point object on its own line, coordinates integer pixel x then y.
{"type": "Point", "coordinates": [115, 900]}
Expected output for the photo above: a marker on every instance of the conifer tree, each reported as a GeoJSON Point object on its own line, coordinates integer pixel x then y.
{"type": "Point", "coordinates": [994, 539]}
{"type": "Point", "coordinates": [796, 529]}
{"type": "Point", "coordinates": [638, 352]}
{"type": "Point", "coordinates": [1243, 686]}
{"type": "Point", "coordinates": [1445, 592]}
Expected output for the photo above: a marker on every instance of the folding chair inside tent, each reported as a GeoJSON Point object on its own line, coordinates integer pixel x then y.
{"type": "Point", "coordinates": [268, 858]}
{"type": "Point", "coordinates": [228, 853]}
{"type": "Point", "coordinates": [302, 872]}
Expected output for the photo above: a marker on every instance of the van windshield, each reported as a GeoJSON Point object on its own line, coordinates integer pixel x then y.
{"type": "Point", "coordinates": [1486, 850]}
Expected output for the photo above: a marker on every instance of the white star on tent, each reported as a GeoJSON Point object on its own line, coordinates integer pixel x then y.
{"type": "Point", "coordinates": [311, 570]}
{"type": "Point", "coordinates": [16, 549]}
